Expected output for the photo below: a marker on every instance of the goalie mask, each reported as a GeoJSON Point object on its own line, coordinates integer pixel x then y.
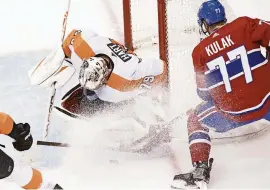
{"type": "Point", "coordinates": [94, 72]}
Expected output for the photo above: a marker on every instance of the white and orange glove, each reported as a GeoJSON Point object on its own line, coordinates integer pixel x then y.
{"type": "Point", "coordinates": [53, 68]}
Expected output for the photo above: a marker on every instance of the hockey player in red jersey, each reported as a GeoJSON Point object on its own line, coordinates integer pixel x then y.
{"type": "Point", "coordinates": [12, 169]}
{"type": "Point", "coordinates": [232, 77]}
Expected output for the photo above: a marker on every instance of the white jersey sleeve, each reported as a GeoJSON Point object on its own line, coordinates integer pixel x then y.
{"type": "Point", "coordinates": [133, 78]}
{"type": "Point", "coordinates": [152, 71]}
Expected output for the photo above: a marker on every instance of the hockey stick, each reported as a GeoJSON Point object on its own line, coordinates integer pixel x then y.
{"type": "Point", "coordinates": [53, 90]}
{"type": "Point", "coordinates": [163, 127]}
{"type": "Point", "coordinates": [154, 138]}
{"type": "Point", "coordinates": [55, 144]}
{"type": "Point", "coordinates": [67, 145]}
{"type": "Point", "coordinates": [50, 107]}
{"type": "Point", "coordinates": [142, 139]}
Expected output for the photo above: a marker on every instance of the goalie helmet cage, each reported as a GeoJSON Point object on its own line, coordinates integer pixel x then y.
{"type": "Point", "coordinates": [174, 23]}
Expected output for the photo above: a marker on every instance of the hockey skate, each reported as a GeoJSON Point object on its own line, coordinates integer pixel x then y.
{"type": "Point", "coordinates": [57, 187]}
{"type": "Point", "coordinates": [51, 185]}
{"type": "Point", "coordinates": [196, 179]}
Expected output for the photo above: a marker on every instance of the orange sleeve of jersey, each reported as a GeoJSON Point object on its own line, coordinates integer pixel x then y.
{"type": "Point", "coordinates": [124, 85]}
{"type": "Point", "coordinates": [6, 123]}
{"type": "Point", "coordinates": [80, 46]}
{"type": "Point", "coordinates": [260, 31]}
{"type": "Point", "coordinates": [35, 181]}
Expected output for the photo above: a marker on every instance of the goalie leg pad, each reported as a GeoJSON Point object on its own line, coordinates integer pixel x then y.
{"type": "Point", "coordinates": [6, 165]}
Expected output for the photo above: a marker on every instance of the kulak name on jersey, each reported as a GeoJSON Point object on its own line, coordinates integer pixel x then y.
{"type": "Point", "coordinates": [217, 46]}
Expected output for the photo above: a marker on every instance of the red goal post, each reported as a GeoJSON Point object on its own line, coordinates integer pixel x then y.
{"type": "Point", "coordinates": [162, 27]}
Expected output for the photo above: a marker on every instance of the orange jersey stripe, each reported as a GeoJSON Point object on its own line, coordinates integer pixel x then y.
{"type": "Point", "coordinates": [66, 44]}
{"type": "Point", "coordinates": [35, 182]}
{"type": "Point", "coordinates": [6, 123]}
{"type": "Point", "coordinates": [124, 85]}
{"type": "Point", "coordinates": [81, 47]}
{"type": "Point", "coordinates": [121, 84]}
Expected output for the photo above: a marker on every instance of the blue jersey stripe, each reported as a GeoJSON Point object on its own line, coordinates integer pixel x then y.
{"type": "Point", "coordinates": [199, 135]}
{"type": "Point", "coordinates": [233, 68]}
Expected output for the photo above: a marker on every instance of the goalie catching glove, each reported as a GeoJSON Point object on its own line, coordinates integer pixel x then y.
{"type": "Point", "coordinates": [22, 136]}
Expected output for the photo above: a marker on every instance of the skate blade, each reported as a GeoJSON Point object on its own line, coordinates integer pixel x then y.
{"type": "Point", "coordinates": [178, 184]}
{"type": "Point", "coordinates": [201, 185]}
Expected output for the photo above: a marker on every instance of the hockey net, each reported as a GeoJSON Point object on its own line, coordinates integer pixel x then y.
{"type": "Point", "coordinates": [165, 28]}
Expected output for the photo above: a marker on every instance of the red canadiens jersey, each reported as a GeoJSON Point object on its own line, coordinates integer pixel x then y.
{"type": "Point", "coordinates": [230, 68]}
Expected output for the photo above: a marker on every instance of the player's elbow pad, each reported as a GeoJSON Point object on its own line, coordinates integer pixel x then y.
{"type": "Point", "coordinates": [52, 69]}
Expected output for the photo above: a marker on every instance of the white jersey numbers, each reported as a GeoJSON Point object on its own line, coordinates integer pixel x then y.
{"type": "Point", "coordinates": [239, 53]}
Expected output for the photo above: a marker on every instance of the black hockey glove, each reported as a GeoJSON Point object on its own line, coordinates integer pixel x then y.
{"type": "Point", "coordinates": [22, 136]}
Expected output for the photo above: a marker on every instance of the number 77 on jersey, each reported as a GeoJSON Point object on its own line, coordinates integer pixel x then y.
{"type": "Point", "coordinates": [222, 72]}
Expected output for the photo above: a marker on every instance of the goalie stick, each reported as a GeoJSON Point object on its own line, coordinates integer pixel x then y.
{"type": "Point", "coordinates": [155, 135]}
{"type": "Point", "coordinates": [53, 90]}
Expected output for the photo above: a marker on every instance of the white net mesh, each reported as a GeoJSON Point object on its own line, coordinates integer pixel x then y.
{"type": "Point", "coordinates": [144, 19]}
{"type": "Point", "coordinates": [183, 36]}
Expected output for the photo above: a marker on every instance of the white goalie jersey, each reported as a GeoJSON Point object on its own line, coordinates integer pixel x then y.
{"type": "Point", "coordinates": [131, 75]}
